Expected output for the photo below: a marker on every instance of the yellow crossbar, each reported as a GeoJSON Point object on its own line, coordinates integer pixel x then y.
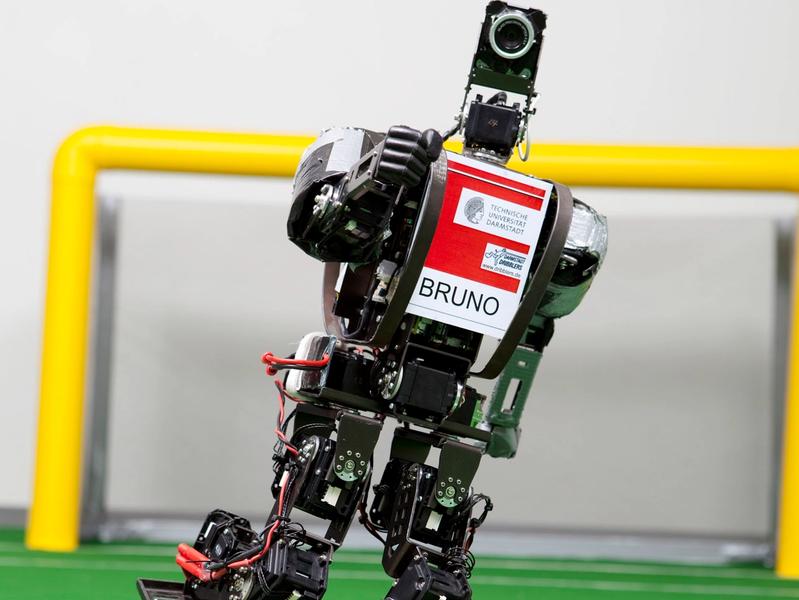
{"type": "Point", "coordinates": [54, 516]}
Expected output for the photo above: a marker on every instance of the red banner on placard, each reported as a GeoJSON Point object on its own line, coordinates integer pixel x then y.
{"type": "Point", "coordinates": [459, 249]}
{"type": "Point", "coordinates": [475, 270]}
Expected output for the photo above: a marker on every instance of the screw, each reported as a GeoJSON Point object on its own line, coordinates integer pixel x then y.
{"type": "Point", "coordinates": [350, 465]}
{"type": "Point", "coordinates": [450, 492]}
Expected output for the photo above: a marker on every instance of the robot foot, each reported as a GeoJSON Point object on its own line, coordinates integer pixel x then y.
{"type": "Point", "coordinates": [293, 564]}
{"type": "Point", "coordinates": [422, 581]}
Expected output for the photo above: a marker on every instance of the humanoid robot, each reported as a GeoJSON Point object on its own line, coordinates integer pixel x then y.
{"type": "Point", "coordinates": [426, 252]}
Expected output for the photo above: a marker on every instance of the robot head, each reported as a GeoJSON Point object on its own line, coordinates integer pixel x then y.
{"type": "Point", "coordinates": [506, 62]}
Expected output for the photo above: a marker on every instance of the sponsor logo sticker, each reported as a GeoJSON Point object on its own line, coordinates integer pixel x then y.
{"type": "Point", "coordinates": [504, 261]}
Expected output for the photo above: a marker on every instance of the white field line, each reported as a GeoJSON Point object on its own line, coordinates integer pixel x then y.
{"type": "Point", "coordinates": [622, 587]}
{"type": "Point", "coordinates": [491, 563]}
{"type": "Point", "coordinates": [622, 569]}
{"type": "Point", "coordinates": [609, 586]}
{"type": "Point", "coordinates": [86, 565]}
{"type": "Point", "coordinates": [586, 567]}
{"type": "Point", "coordinates": [651, 588]}
{"type": "Point", "coordinates": [122, 550]}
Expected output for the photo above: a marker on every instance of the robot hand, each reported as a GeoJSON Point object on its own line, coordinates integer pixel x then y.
{"type": "Point", "coordinates": [342, 216]}
{"type": "Point", "coordinates": [407, 154]}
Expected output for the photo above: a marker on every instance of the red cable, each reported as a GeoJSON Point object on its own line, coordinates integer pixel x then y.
{"type": "Point", "coordinates": [289, 448]}
{"type": "Point", "coordinates": [268, 544]}
{"type": "Point", "coordinates": [193, 561]}
{"type": "Point", "coordinates": [282, 389]}
{"type": "Point", "coordinates": [272, 363]}
{"type": "Point", "coordinates": [281, 418]}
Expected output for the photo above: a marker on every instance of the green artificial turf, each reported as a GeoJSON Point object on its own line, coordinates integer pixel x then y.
{"type": "Point", "coordinates": [109, 572]}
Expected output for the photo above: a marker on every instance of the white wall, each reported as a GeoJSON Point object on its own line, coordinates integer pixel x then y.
{"type": "Point", "coordinates": [652, 410]}
{"type": "Point", "coordinates": [660, 71]}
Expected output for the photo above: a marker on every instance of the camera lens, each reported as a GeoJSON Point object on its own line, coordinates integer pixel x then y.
{"type": "Point", "coordinates": [512, 35]}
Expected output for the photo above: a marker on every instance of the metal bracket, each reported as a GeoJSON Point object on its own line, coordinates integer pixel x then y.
{"type": "Point", "coordinates": [538, 284]}
{"type": "Point", "coordinates": [520, 370]}
{"type": "Point", "coordinates": [411, 446]}
{"type": "Point", "coordinates": [408, 274]}
{"type": "Point", "coordinates": [356, 441]}
{"type": "Point", "coordinates": [360, 178]}
{"type": "Point", "coordinates": [457, 467]}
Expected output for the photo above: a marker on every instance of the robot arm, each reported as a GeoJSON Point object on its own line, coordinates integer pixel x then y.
{"type": "Point", "coordinates": [582, 256]}
{"type": "Point", "coordinates": [347, 184]}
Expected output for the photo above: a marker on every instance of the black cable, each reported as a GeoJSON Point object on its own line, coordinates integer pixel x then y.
{"type": "Point", "coordinates": [245, 554]}
{"type": "Point", "coordinates": [475, 523]}
{"type": "Point", "coordinates": [498, 98]}
{"type": "Point", "coordinates": [460, 558]}
{"type": "Point", "coordinates": [309, 426]}
{"type": "Point", "coordinates": [454, 129]}
{"type": "Point", "coordinates": [362, 505]}
{"type": "Point", "coordinates": [366, 312]}
{"type": "Point", "coordinates": [489, 506]}
{"type": "Point", "coordinates": [281, 518]}
{"type": "Point", "coordinates": [277, 367]}
{"type": "Point", "coordinates": [288, 420]}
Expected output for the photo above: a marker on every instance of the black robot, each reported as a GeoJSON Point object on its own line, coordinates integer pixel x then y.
{"type": "Point", "coordinates": [427, 252]}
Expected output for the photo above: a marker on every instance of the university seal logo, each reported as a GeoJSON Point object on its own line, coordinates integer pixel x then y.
{"type": "Point", "coordinates": [474, 210]}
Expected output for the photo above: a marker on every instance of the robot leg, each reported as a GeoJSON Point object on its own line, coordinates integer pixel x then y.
{"type": "Point", "coordinates": [427, 514]}
{"type": "Point", "coordinates": [338, 478]}
{"type": "Point", "coordinates": [314, 473]}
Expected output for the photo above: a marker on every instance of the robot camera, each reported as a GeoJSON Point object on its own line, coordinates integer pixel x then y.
{"type": "Point", "coordinates": [512, 34]}
{"type": "Point", "coordinates": [509, 47]}
{"type": "Point", "coordinates": [506, 61]}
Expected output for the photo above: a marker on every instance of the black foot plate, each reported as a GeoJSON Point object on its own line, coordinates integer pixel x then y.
{"type": "Point", "coordinates": [151, 589]}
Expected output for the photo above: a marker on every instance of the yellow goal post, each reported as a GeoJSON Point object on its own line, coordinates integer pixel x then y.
{"type": "Point", "coordinates": [53, 521]}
